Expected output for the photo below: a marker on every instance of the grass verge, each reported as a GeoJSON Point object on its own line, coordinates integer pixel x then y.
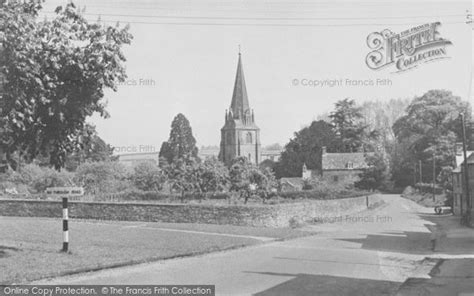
{"type": "Point", "coordinates": [29, 247]}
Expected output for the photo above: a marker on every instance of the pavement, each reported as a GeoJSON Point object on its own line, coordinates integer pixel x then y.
{"type": "Point", "coordinates": [454, 270]}
{"type": "Point", "coordinates": [375, 252]}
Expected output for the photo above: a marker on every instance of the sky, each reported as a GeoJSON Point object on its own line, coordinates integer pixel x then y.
{"type": "Point", "coordinates": [183, 59]}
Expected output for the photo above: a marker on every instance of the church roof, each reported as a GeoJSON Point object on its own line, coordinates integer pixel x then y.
{"type": "Point", "coordinates": [240, 101]}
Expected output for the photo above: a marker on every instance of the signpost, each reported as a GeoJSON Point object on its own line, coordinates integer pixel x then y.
{"type": "Point", "coordinates": [65, 192]}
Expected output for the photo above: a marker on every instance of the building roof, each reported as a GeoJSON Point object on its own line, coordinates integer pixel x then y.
{"type": "Point", "coordinates": [272, 152]}
{"type": "Point", "coordinates": [296, 182]}
{"type": "Point", "coordinates": [344, 161]}
{"type": "Point", "coordinates": [138, 156]}
{"type": "Point", "coordinates": [240, 101]}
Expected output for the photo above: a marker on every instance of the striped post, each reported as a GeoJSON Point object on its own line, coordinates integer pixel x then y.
{"type": "Point", "coordinates": [65, 226]}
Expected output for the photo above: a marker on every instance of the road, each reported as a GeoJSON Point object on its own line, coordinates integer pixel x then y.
{"type": "Point", "coordinates": [369, 253]}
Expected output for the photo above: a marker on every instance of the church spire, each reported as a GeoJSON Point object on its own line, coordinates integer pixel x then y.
{"type": "Point", "coordinates": [240, 103]}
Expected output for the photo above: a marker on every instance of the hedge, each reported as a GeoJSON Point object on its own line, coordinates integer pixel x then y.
{"type": "Point", "coordinates": [318, 195]}
{"type": "Point", "coordinates": [428, 188]}
{"type": "Point", "coordinates": [137, 195]}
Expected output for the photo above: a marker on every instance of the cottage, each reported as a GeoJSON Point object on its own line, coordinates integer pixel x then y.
{"type": "Point", "coordinates": [337, 167]}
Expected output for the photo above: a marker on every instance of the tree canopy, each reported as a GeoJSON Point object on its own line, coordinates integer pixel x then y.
{"type": "Point", "coordinates": [56, 72]}
{"type": "Point", "coordinates": [181, 143]}
{"type": "Point", "coordinates": [429, 129]}
{"type": "Point", "coordinates": [305, 147]}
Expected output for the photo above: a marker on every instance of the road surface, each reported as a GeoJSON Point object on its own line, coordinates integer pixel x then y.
{"type": "Point", "coordinates": [368, 253]}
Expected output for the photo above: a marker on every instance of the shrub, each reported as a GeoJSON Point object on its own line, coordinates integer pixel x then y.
{"type": "Point", "coordinates": [103, 177]}
{"type": "Point", "coordinates": [428, 188]}
{"type": "Point", "coordinates": [147, 176]}
{"type": "Point", "coordinates": [35, 179]}
{"type": "Point", "coordinates": [51, 178]}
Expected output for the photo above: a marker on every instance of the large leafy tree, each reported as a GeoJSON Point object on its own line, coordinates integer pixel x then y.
{"type": "Point", "coordinates": [305, 147]}
{"type": "Point", "coordinates": [148, 176]}
{"type": "Point", "coordinates": [248, 180]}
{"type": "Point", "coordinates": [352, 133]}
{"type": "Point", "coordinates": [89, 147]}
{"type": "Point", "coordinates": [213, 176]}
{"type": "Point", "coordinates": [429, 129]}
{"type": "Point", "coordinates": [380, 116]}
{"type": "Point", "coordinates": [181, 143]}
{"type": "Point", "coordinates": [56, 72]}
{"type": "Point", "coordinates": [377, 175]}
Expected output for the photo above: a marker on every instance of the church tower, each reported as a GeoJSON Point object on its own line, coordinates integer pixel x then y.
{"type": "Point", "coordinates": [240, 136]}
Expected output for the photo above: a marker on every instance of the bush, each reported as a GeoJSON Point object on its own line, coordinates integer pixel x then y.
{"type": "Point", "coordinates": [35, 179]}
{"type": "Point", "coordinates": [140, 195]}
{"type": "Point", "coordinates": [103, 177]}
{"type": "Point", "coordinates": [319, 194]}
{"type": "Point", "coordinates": [323, 189]}
{"type": "Point", "coordinates": [51, 178]}
{"type": "Point", "coordinates": [428, 188]}
{"type": "Point", "coordinates": [147, 176]}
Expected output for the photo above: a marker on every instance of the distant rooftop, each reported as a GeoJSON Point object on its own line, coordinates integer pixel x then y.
{"type": "Point", "coordinates": [344, 161]}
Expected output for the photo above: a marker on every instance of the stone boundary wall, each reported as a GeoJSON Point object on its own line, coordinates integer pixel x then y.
{"type": "Point", "coordinates": [281, 215]}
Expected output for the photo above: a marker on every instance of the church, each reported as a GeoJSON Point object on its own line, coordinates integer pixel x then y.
{"type": "Point", "coordinates": [240, 136]}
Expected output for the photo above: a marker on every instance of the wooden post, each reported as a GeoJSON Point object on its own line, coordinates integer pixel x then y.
{"type": "Point", "coordinates": [434, 175]}
{"type": "Point", "coordinates": [465, 166]}
{"type": "Point", "coordinates": [367, 201]}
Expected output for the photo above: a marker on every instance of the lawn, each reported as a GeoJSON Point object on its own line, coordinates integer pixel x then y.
{"type": "Point", "coordinates": [29, 247]}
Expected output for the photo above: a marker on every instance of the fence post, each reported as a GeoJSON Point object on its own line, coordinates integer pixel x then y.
{"type": "Point", "coordinates": [65, 226]}
{"type": "Point", "coordinates": [367, 201]}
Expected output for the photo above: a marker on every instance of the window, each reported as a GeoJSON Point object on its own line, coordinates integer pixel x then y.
{"type": "Point", "coordinates": [349, 165]}
{"type": "Point", "coordinates": [250, 157]}
{"type": "Point", "coordinates": [249, 137]}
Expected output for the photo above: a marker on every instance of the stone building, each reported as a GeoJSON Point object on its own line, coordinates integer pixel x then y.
{"type": "Point", "coordinates": [337, 167]}
{"type": "Point", "coordinates": [132, 159]}
{"type": "Point", "coordinates": [240, 136]}
{"type": "Point", "coordinates": [459, 205]}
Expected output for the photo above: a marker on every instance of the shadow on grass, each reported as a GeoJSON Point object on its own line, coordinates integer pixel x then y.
{"type": "Point", "coordinates": [308, 284]}
{"type": "Point", "coordinates": [4, 250]}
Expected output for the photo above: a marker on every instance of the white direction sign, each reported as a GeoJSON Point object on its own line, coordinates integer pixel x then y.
{"type": "Point", "coordinates": [65, 191]}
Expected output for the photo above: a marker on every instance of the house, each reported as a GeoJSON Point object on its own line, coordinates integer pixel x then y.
{"type": "Point", "coordinates": [459, 190]}
{"type": "Point", "coordinates": [273, 155]}
{"type": "Point", "coordinates": [132, 159]}
{"type": "Point", "coordinates": [208, 152]}
{"type": "Point", "coordinates": [336, 167]}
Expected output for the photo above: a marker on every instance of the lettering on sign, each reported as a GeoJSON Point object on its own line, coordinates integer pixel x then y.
{"type": "Point", "coordinates": [65, 191]}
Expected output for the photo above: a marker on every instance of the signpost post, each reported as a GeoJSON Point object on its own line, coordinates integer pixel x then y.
{"type": "Point", "coordinates": [65, 193]}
